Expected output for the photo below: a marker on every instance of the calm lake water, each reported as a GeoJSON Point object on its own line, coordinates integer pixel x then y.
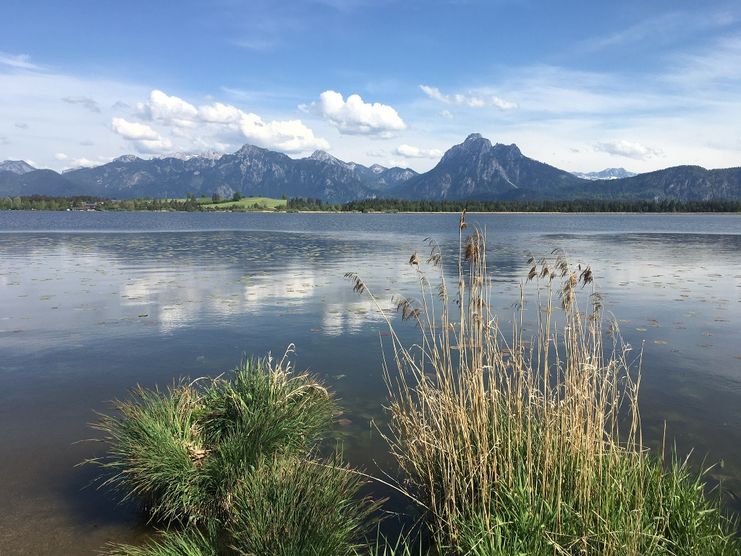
{"type": "Point", "coordinates": [93, 303]}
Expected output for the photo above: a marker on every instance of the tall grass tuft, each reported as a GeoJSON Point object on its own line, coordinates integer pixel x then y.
{"type": "Point", "coordinates": [229, 465]}
{"type": "Point", "coordinates": [180, 452]}
{"type": "Point", "coordinates": [518, 442]}
{"type": "Point", "coordinates": [189, 542]}
{"type": "Point", "coordinates": [289, 507]}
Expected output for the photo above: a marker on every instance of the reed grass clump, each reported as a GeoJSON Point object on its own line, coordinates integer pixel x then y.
{"type": "Point", "coordinates": [517, 441]}
{"type": "Point", "coordinates": [229, 465]}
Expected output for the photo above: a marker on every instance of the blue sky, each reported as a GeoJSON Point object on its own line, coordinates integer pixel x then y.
{"type": "Point", "coordinates": [581, 85]}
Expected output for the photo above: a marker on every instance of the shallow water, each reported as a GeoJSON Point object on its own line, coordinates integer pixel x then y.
{"type": "Point", "coordinates": [93, 303]}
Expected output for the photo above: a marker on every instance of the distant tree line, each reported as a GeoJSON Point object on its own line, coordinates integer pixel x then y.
{"type": "Point", "coordinates": [571, 205]}
{"type": "Point", "coordinates": [84, 202]}
{"type": "Point", "coordinates": [43, 202]}
{"type": "Point", "coordinates": [191, 204]}
{"type": "Point", "coordinates": [301, 203]}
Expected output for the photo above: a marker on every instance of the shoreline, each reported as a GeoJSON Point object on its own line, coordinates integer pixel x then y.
{"type": "Point", "coordinates": [441, 212]}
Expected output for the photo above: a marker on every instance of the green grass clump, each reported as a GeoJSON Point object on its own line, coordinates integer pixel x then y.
{"type": "Point", "coordinates": [228, 465]}
{"type": "Point", "coordinates": [297, 507]}
{"type": "Point", "coordinates": [155, 451]}
{"type": "Point", "coordinates": [188, 542]}
{"type": "Point", "coordinates": [642, 509]}
{"type": "Point", "coordinates": [181, 451]}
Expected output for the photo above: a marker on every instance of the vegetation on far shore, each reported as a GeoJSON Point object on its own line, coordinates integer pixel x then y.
{"type": "Point", "coordinates": [508, 440]}
{"type": "Point", "coordinates": [246, 204]}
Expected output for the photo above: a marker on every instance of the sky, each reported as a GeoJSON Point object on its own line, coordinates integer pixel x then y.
{"type": "Point", "coordinates": [580, 85]}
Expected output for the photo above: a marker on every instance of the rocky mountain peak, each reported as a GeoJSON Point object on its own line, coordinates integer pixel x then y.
{"type": "Point", "coordinates": [511, 151]}
{"type": "Point", "coordinates": [476, 141]}
{"type": "Point", "coordinates": [18, 167]}
{"type": "Point", "coordinates": [250, 150]}
{"type": "Point", "coordinates": [126, 158]}
{"type": "Point", "coordinates": [474, 146]}
{"type": "Point", "coordinates": [323, 156]}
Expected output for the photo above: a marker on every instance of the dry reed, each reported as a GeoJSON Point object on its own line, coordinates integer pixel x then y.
{"type": "Point", "coordinates": [531, 445]}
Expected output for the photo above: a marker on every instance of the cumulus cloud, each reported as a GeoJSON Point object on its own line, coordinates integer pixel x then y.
{"type": "Point", "coordinates": [408, 151]}
{"type": "Point", "coordinates": [168, 109]}
{"type": "Point", "coordinates": [220, 113]}
{"type": "Point", "coordinates": [354, 116]}
{"type": "Point", "coordinates": [60, 156]}
{"type": "Point", "coordinates": [447, 114]}
{"type": "Point", "coordinates": [214, 125]}
{"type": "Point", "coordinates": [288, 136]}
{"type": "Point", "coordinates": [143, 137]}
{"type": "Point", "coordinates": [470, 100]}
{"type": "Point", "coordinates": [628, 149]}
{"type": "Point", "coordinates": [85, 102]}
{"type": "Point", "coordinates": [133, 130]}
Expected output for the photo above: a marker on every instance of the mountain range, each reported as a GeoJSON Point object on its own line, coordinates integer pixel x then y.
{"type": "Point", "coordinates": [474, 169]}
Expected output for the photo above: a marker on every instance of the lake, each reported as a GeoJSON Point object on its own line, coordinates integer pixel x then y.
{"type": "Point", "coordinates": [94, 303]}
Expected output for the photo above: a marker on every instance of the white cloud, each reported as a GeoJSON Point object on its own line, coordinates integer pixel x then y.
{"type": "Point", "coordinates": [133, 130]}
{"type": "Point", "coordinates": [223, 125]}
{"type": "Point", "coordinates": [60, 156]}
{"type": "Point", "coordinates": [220, 113]}
{"type": "Point", "coordinates": [471, 100]}
{"type": "Point", "coordinates": [447, 114]}
{"type": "Point", "coordinates": [288, 136]}
{"type": "Point", "coordinates": [143, 137]}
{"type": "Point", "coordinates": [170, 110]}
{"type": "Point", "coordinates": [628, 149]}
{"type": "Point", "coordinates": [354, 116]}
{"type": "Point", "coordinates": [434, 93]}
{"type": "Point", "coordinates": [17, 61]}
{"type": "Point", "coordinates": [408, 151]}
